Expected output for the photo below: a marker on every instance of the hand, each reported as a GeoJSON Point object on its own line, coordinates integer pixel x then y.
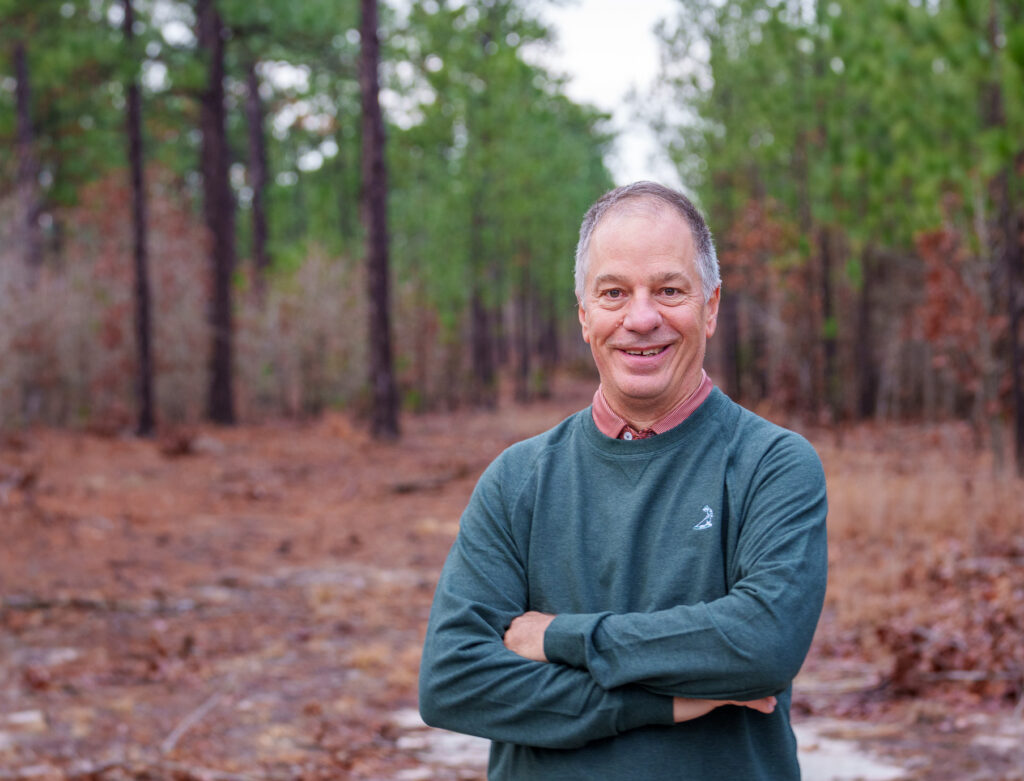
{"type": "Point", "coordinates": [684, 709]}
{"type": "Point", "coordinates": [525, 635]}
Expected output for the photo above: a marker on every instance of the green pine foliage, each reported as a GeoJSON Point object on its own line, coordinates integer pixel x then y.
{"type": "Point", "coordinates": [491, 167]}
{"type": "Point", "coordinates": [828, 140]}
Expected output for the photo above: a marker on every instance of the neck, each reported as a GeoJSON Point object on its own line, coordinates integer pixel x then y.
{"type": "Point", "coordinates": [640, 415]}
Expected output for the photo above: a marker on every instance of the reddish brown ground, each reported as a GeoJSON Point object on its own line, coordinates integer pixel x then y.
{"type": "Point", "coordinates": [250, 603]}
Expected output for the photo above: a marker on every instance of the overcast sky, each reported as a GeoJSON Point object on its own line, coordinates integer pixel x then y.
{"type": "Point", "coordinates": [607, 47]}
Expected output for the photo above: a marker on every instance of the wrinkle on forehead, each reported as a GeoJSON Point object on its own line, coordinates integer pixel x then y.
{"type": "Point", "coordinates": [641, 206]}
{"type": "Point", "coordinates": [646, 208]}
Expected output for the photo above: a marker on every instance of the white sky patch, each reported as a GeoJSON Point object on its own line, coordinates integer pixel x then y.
{"type": "Point", "coordinates": [608, 48]}
{"type": "Point", "coordinates": [328, 148]}
{"type": "Point", "coordinates": [177, 33]}
{"type": "Point", "coordinates": [310, 160]}
{"type": "Point", "coordinates": [174, 21]}
{"type": "Point", "coordinates": [285, 76]}
{"type": "Point", "coordinates": [315, 115]}
{"type": "Point", "coordinates": [401, 109]}
{"type": "Point", "coordinates": [115, 14]}
{"type": "Point", "coordinates": [154, 75]}
{"type": "Point", "coordinates": [282, 121]}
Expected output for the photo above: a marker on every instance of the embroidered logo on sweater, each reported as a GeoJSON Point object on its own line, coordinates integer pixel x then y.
{"type": "Point", "coordinates": [706, 522]}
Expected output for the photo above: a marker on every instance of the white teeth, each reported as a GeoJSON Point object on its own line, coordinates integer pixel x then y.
{"type": "Point", "coordinates": [655, 351]}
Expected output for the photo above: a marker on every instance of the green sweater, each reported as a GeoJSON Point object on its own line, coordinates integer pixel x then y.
{"type": "Point", "coordinates": [689, 564]}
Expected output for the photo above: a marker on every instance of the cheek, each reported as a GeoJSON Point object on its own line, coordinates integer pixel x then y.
{"type": "Point", "coordinates": [601, 327]}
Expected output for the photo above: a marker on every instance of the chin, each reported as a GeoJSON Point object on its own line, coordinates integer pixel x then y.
{"type": "Point", "coordinates": [642, 391]}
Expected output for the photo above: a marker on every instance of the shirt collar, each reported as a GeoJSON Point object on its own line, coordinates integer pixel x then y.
{"type": "Point", "coordinates": [610, 424]}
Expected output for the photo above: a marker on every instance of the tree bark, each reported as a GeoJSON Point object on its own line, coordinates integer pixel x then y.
{"type": "Point", "coordinates": [828, 325]}
{"type": "Point", "coordinates": [864, 351]}
{"type": "Point", "coordinates": [729, 339]}
{"type": "Point", "coordinates": [482, 344]}
{"type": "Point", "coordinates": [1008, 236]}
{"type": "Point", "coordinates": [546, 344]}
{"type": "Point", "coordinates": [143, 320]}
{"type": "Point", "coordinates": [220, 212]}
{"type": "Point", "coordinates": [522, 336]}
{"type": "Point", "coordinates": [257, 179]}
{"type": "Point", "coordinates": [1013, 232]}
{"type": "Point", "coordinates": [384, 417]}
{"type": "Point", "coordinates": [1015, 304]}
{"type": "Point", "coordinates": [28, 200]}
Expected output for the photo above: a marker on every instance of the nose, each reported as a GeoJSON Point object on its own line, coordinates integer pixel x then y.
{"type": "Point", "coordinates": [642, 315]}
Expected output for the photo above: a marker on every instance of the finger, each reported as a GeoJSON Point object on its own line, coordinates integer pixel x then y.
{"type": "Point", "coordinates": [764, 705]}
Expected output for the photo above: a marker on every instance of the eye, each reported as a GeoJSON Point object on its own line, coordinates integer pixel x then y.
{"type": "Point", "coordinates": [670, 291]}
{"type": "Point", "coordinates": [612, 293]}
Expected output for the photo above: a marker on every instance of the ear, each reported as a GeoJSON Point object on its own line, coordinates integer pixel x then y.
{"type": "Point", "coordinates": [711, 307]}
{"type": "Point", "coordinates": [583, 322]}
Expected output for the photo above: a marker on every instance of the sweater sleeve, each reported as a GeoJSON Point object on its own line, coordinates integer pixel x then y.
{"type": "Point", "coordinates": [747, 644]}
{"type": "Point", "coordinates": [471, 683]}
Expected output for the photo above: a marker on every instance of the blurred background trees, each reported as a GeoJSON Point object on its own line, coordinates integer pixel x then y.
{"type": "Point", "coordinates": [860, 163]}
{"type": "Point", "coordinates": [243, 117]}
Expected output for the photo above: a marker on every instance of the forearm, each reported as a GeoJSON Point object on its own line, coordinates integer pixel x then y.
{"type": "Point", "coordinates": [525, 637]}
{"type": "Point", "coordinates": [469, 682]}
{"type": "Point", "coordinates": [746, 644]}
{"type": "Point", "coordinates": [684, 651]}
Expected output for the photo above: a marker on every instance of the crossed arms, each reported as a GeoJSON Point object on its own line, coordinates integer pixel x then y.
{"type": "Point", "coordinates": [525, 637]}
{"type": "Point", "coordinates": [494, 668]}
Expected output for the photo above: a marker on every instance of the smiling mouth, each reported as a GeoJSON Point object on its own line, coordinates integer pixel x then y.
{"type": "Point", "coordinates": [648, 351]}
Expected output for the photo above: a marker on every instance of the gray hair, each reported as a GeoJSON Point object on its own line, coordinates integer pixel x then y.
{"type": "Point", "coordinates": [707, 260]}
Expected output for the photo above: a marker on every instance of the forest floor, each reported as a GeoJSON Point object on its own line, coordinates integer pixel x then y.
{"type": "Point", "coordinates": [249, 603]}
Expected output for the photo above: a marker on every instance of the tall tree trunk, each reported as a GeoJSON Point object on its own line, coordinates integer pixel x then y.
{"type": "Point", "coordinates": [1015, 269]}
{"type": "Point", "coordinates": [807, 391]}
{"type": "Point", "coordinates": [546, 344]}
{"type": "Point", "coordinates": [220, 212]}
{"type": "Point", "coordinates": [729, 323]}
{"type": "Point", "coordinates": [726, 345]}
{"type": "Point", "coordinates": [485, 350]}
{"type": "Point", "coordinates": [143, 320]}
{"type": "Point", "coordinates": [1008, 261]}
{"type": "Point", "coordinates": [257, 178]}
{"type": "Point", "coordinates": [1012, 229]}
{"type": "Point", "coordinates": [28, 200]}
{"type": "Point", "coordinates": [522, 335]}
{"type": "Point", "coordinates": [807, 368]}
{"type": "Point", "coordinates": [1009, 266]}
{"type": "Point", "coordinates": [482, 343]}
{"type": "Point", "coordinates": [384, 418]}
{"type": "Point", "coordinates": [500, 333]}
{"type": "Point", "coordinates": [483, 384]}
{"type": "Point", "coordinates": [829, 325]}
{"type": "Point", "coordinates": [864, 351]}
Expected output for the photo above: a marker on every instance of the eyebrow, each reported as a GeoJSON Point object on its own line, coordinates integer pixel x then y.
{"type": "Point", "coordinates": [666, 276]}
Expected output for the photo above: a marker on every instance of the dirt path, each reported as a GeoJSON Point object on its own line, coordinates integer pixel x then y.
{"type": "Point", "coordinates": [249, 603]}
{"type": "Point", "coordinates": [446, 754]}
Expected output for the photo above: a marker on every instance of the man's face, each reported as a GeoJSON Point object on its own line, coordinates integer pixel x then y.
{"type": "Point", "coordinates": [643, 311]}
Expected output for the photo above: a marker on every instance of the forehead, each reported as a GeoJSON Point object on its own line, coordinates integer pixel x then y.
{"type": "Point", "coordinates": [642, 233]}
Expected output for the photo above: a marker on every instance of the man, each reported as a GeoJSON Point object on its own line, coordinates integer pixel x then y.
{"type": "Point", "coordinates": [630, 591]}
